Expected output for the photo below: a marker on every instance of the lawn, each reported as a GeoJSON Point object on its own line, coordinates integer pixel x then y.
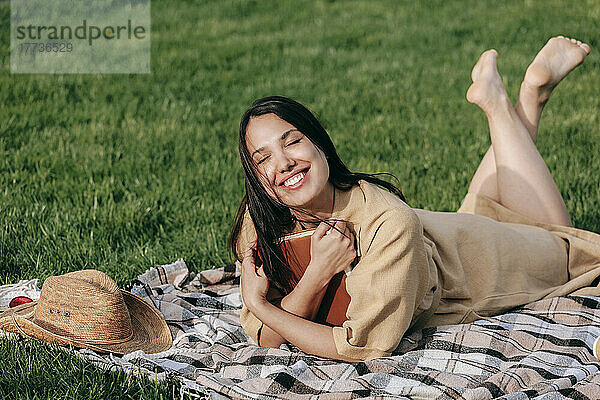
{"type": "Point", "coordinates": [123, 172]}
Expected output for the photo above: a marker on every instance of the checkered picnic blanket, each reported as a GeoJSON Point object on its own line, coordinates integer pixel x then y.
{"type": "Point", "coordinates": [542, 350]}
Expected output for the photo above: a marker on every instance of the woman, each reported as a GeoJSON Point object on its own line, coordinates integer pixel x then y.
{"type": "Point", "coordinates": [510, 243]}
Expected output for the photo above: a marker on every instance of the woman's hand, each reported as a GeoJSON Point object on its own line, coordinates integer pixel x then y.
{"type": "Point", "coordinates": [331, 250]}
{"type": "Point", "coordinates": [254, 284]}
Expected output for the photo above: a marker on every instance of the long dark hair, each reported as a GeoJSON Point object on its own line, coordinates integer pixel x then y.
{"type": "Point", "coordinates": [272, 218]}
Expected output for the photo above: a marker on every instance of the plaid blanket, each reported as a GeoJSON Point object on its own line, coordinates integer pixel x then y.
{"type": "Point", "coordinates": [543, 350]}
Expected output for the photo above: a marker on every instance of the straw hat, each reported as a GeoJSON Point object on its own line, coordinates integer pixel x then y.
{"type": "Point", "coordinates": [86, 309]}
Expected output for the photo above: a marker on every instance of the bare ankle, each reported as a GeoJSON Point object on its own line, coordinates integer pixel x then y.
{"type": "Point", "coordinates": [534, 93]}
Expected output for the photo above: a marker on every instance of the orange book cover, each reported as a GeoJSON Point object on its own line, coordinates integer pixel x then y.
{"type": "Point", "coordinates": [334, 305]}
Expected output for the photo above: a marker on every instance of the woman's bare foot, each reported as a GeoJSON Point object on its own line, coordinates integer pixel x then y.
{"type": "Point", "coordinates": [556, 59]}
{"type": "Point", "coordinates": [487, 90]}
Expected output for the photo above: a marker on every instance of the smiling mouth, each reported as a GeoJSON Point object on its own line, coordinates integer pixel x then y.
{"type": "Point", "coordinates": [296, 180]}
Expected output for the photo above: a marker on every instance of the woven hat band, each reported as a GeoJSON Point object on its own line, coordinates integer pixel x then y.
{"type": "Point", "coordinates": [103, 317]}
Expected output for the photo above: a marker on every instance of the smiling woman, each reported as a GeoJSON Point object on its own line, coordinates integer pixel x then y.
{"type": "Point", "coordinates": [291, 168]}
{"type": "Point", "coordinates": [407, 268]}
{"type": "Point", "coordinates": [292, 174]}
{"type": "Point", "coordinates": [288, 162]}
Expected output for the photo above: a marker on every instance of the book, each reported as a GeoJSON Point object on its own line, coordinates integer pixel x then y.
{"type": "Point", "coordinates": [296, 250]}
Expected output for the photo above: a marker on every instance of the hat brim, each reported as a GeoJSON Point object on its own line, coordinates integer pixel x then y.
{"type": "Point", "coordinates": [150, 331]}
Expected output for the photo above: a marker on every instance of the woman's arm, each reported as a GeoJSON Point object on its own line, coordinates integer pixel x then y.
{"type": "Point", "coordinates": [330, 254]}
{"type": "Point", "coordinates": [394, 281]}
{"type": "Point", "coordinates": [308, 336]}
{"type": "Point", "coordinates": [303, 301]}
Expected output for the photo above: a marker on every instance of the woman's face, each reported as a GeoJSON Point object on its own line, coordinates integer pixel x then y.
{"type": "Point", "coordinates": [290, 166]}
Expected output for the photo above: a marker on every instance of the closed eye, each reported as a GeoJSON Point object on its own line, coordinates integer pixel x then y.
{"type": "Point", "coordinates": [262, 160]}
{"type": "Point", "coordinates": [293, 142]}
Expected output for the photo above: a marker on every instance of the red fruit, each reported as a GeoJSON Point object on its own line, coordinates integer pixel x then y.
{"type": "Point", "coordinates": [17, 301]}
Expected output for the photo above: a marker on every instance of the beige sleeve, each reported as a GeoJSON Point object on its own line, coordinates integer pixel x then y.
{"type": "Point", "coordinates": [247, 234]}
{"type": "Point", "coordinates": [249, 322]}
{"type": "Point", "coordinates": [252, 325]}
{"type": "Point", "coordinates": [386, 286]}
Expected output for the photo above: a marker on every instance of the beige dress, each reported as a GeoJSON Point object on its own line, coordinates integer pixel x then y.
{"type": "Point", "coordinates": [420, 268]}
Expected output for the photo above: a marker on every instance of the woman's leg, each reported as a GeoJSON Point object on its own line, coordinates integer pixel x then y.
{"type": "Point", "coordinates": [542, 201]}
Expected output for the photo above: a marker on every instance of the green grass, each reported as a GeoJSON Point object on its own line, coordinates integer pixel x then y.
{"type": "Point", "coordinates": [49, 372]}
{"type": "Point", "coordinates": [122, 172]}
